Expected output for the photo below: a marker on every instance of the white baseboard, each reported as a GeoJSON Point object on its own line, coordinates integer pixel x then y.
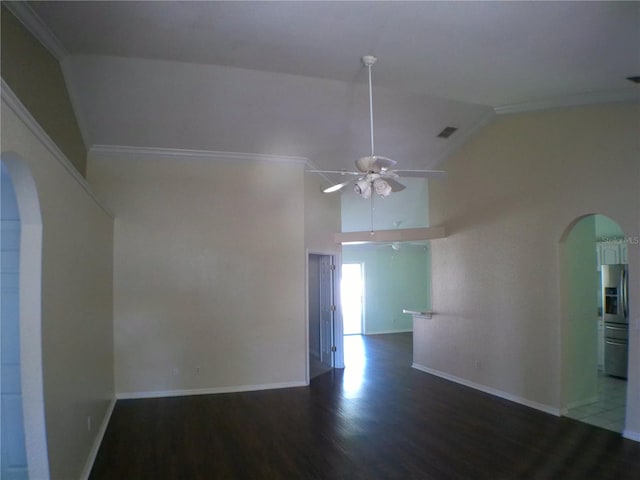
{"type": "Point", "coordinates": [490, 390]}
{"type": "Point", "coordinates": [86, 471]}
{"type": "Point", "coordinates": [208, 391]}
{"type": "Point", "coordinates": [631, 435]}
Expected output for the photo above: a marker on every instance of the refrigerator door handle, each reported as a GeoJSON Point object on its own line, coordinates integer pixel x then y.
{"type": "Point", "coordinates": [613, 327]}
{"type": "Point", "coordinates": [624, 286]}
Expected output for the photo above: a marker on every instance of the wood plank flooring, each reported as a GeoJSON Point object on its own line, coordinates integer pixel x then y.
{"type": "Point", "coordinates": [378, 419]}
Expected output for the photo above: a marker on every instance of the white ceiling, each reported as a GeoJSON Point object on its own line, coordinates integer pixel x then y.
{"type": "Point", "coordinates": [440, 63]}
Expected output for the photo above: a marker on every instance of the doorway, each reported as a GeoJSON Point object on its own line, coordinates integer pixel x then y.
{"type": "Point", "coordinates": [24, 454]}
{"type": "Point", "coordinates": [594, 391]}
{"type": "Point", "coordinates": [321, 314]}
{"type": "Point", "coordinates": [13, 454]}
{"type": "Point", "coordinates": [352, 295]}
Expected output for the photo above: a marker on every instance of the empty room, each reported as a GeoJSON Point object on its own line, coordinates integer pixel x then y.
{"type": "Point", "coordinates": [320, 240]}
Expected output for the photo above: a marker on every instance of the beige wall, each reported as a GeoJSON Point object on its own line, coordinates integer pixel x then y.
{"type": "Point", "coordinates": [77, 335]}
{"type": "Point", "coordinates": [321, 217]}
{"type": "Point", "coordinates": [209, 273]}
{"type": "Point", "coordinates": [510, 195]}
{"type": "Point", "coordinates": [36, 78]}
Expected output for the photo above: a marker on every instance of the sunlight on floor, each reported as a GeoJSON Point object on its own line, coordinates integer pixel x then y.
{"type": "Point", "coordinates": [355, 361]}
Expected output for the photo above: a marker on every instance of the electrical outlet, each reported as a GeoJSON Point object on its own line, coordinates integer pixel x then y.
{"type": "Point", "coordinates": [197, 370]}
{"type": "Point", "coordinates": [176, 371]}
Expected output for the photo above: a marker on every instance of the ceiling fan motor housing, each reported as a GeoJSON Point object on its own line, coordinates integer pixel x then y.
{"type": "Point", "coordinates": [369, 60]}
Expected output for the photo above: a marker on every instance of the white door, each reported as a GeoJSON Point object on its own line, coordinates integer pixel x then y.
{"type": "Point", "coordinates": [327, 309]}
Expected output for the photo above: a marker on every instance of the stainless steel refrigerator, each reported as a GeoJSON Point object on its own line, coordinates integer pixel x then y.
{"type": "Point", "coordinates": [615, 313]}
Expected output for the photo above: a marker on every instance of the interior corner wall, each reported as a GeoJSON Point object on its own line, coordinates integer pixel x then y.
{"type": "Point", "coordinates": [36, 77]}
{"type": "Point", "coordinates": [209, 273]}
{"type": "Point", "coordinates": [510, 194]}
{"type": "Point", "coordinates": [321, 217]}
{"type": "Point", "coordinates": [77, 333]}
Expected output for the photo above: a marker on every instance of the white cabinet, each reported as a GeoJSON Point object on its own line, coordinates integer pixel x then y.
{"type": "Point", "coordinates": [611, 253]}
{"type": "Point", "coordinates": [623, 254]}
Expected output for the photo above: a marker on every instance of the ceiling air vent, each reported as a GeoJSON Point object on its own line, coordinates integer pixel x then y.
{"type": "Point", "coordinates": [447, 132]}
{"type": "Point", "coordinates": [634, 79]}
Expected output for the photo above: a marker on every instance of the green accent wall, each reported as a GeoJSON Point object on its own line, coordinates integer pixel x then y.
{"type": "Point", "coordinates": [35, 76]}
{"type": "Point", "coordinates": [581, 279]}
{"type": "Point", "coordinates": [607, 229]}
{"type": "Point", "coordinates": [394, 279]}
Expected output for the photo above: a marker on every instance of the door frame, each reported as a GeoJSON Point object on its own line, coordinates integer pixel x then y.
{"type": "Point", "coordinates": [338, 357]}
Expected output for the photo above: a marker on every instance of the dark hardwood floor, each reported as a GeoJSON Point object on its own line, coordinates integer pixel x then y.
{"type": "Point", "coordinates": [378, 419]}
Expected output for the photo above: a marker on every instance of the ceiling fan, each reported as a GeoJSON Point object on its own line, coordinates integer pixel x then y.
{"type": "Point", "coordinates": [375, 172]}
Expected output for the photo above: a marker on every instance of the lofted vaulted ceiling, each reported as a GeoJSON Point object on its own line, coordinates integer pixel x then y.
{"type": "Point", "coordinates": [285, 78]}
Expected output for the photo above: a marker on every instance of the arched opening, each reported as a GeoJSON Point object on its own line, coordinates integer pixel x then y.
{"type": "Point", "coordinates": [29, 326]}
{"type": "Point", "coordinates": [593, 273]}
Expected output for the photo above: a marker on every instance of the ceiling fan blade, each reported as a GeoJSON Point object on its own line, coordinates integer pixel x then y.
{"type": "Point", "coordinates": [421, 173]}
{"type": "Point", "coordinates": [395, 186]}
{"type": "Point", "coordinates": [374, 163]}
{"type": "Point", "coordinates": [382, 162]}
{"type": "Point", "coordinates": [337, 186]}
{"type": "Point", "coordinates": [337, 172]}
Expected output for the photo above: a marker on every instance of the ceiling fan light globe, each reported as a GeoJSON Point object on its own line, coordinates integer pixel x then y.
{"type": "Point", "coordinates": [381, 187]}
{"type": "Point", "coordinates": [362, 188]}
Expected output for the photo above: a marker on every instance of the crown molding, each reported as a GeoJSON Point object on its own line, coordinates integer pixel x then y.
{"type": "Point", "coordinates": [631, 94]}
{"type": "Point", "coordinates": [14, 103]}
{"type": "Point", "coordinates": [32, 22]}
{"type": "Point", "coordinates": [188, 154]}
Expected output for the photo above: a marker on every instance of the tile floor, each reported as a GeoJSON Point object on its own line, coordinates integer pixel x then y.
{"type": "Point", "coordinates": [608, 411]}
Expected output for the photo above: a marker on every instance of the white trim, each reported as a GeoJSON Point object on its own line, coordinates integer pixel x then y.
{"type": "Point", "coordinates": [86, 471]}
{"type": "Point", "coordinates": [188, 154]}
{"type": "Point", "coordinates": [631, 435]}
{"type": "Point", "coordinates": [591, 98]}
{"type": "Point", "coordinates": [32, 22]}
{"type": "Point", "coordinates": [492, 391]}
{"type": "Point", "coordinates": [395, 235]}
{"type": "Point", "coordinates": [208, 391]}
{"type": "Point", "coordinates": [14, 103]}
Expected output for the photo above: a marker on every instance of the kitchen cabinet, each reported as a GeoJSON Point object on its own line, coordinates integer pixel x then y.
{"type": "Point", "coordinates": [623, 254]}
{"type": "Point", "coordinates": [611, 253]}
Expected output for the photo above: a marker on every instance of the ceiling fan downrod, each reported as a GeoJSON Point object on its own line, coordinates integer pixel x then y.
{"type": "Point", "coordinates": [369, 61]}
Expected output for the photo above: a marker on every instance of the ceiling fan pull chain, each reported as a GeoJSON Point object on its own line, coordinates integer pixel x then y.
{"type": "Point", "coordinates": [372, 211]}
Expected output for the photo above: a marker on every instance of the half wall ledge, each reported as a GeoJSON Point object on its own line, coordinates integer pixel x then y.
{"type": "Point", "coordinates": [396, 235]}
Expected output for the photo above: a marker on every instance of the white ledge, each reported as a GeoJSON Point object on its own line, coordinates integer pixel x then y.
{"type": "Point", "coordinates": [396, 235]}
{"type": "Point", "coordinates": [426, 314]}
